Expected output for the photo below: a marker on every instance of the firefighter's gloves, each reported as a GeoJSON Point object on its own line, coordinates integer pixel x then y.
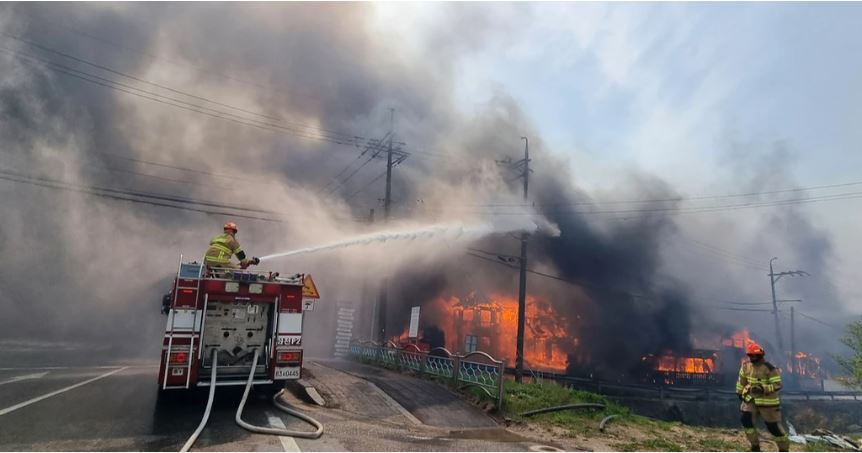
{"type": "Point", "coordinates": [248, 262]}
{"type": "Point", "coordinates": [741, 398]}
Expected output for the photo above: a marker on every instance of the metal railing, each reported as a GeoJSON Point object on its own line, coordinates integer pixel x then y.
{"type": "Point", "coordinates": [474, 370]}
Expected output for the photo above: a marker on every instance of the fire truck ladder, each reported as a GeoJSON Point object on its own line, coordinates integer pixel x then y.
{"type": "Point", "coordinates": [192, 333]}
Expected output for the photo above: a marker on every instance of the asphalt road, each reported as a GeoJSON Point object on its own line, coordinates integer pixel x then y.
{"type": "Point", "coordinates": [115, 408]}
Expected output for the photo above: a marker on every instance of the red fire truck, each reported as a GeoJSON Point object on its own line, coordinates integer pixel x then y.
{"type": "Point", "coordinates": [230, 314]}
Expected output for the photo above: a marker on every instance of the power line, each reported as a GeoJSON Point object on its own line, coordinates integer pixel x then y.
{"type": "Point", "coordinates": [674, 199]}
{"type": "Point", "coordinates": [692, 210]}
{"type": "Point", "coordinates": [189, 170]}
{"type": "Point", "coordinates": [162, 178]}
{"type": "Point", "coordinates": [321, 131]}
{"type": "Point", "coordinates": [161, 197]}
{"type": "Point", "coordinates": [146, 198]}
{"type": "Point", "coordinates": [578, 283]}
{"type": "Point", "coordinates": [108, 83]}
{"type": "Point", "coordinates": [178, 103]}
{"type": "Point", "coordinates": [350, 164]}
{"type": "Point", "coordinates": [197, 68]}
{"type": "Point", "coordinates": [715, 256]}
{"type": "Point", "coordinates": [762, 303]}
{"type": "Point", "coordinates": [378, 148]}
{"type": "Point", "coordinates": [719, 252]}
{"type": "Point", "coordinates": [133, 200]}
{"type": "Point", "coordinates": [304, 131]}
{"type": "Point", "coordinates": [817, 320]}
{"type": "Point", "coordinates": [369, 183]}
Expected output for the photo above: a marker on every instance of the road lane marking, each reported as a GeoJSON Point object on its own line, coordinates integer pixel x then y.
{"type": "Point", "coordinates": [83, 367]}
{"type": "Point", "coordinates": [395, 404]}
{"type": "Point", "coordinates": [288, 443]}
{"type": "Point", "coordinates": [24, 378]}
{"type": "Point", "coordinates": [57, 392]}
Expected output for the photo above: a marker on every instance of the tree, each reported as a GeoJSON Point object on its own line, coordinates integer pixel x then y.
{"type": "Point", "coordinates": [852, 364]}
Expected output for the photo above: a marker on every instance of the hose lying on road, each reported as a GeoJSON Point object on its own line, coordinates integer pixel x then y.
{"type": "Point", "coordinates": [562, 408]}
{"type": "Point", "coordinates": [188, 445]}
{"type": "Point", "coordinates": [275, 400]}
{"type": "Point", "coordinates": [605, 421]}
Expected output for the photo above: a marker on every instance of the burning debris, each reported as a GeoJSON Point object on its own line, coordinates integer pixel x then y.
{"type": "Point", "coordinates": [698, 368]}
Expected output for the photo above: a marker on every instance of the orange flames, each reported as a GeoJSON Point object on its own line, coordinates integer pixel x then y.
{"type": "Point", "coordinates": [490, 324]}
{"type": "Point", "coordinates": [684, 364]}
{"type": "Point", "coordinates": [686, 369]}
{"type": "Point", "coordinates": [807, 365]}
{"type": "Point", "coordinates": [739, 340]}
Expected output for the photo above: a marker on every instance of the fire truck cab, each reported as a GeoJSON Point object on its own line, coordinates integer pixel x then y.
{"type": "Point", "coordinates": [232, 313]}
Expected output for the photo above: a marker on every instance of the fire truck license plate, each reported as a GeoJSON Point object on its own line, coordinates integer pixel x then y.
{"type": "Point", "coordinates": [291, 372]}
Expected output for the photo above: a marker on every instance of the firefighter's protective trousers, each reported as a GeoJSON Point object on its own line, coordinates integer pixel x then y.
{"type": "Point", "coordinates": [758, 386]}
{"type": "Point", "coordinates": [221, 248]}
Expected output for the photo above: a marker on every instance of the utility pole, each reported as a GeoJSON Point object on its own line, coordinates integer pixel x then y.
{"type": "Point", "coordinates": [388, 200]}
{"type": "Point", "coordinates": [383, 299]}
{"type": "Point", "coordinates": [792, 341]}
{"type": "Point", "coordinates": [366, 292]}
{"type": "Point", "coordinates": [775, 307]}
{"type": "Point", "coordinates": [522, 289]}
{"type": "Point", "coordinates": [773, 278]}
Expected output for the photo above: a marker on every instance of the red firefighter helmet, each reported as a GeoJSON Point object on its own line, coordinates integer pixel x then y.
{"type": "Point", "coordinates": [231, 226]}
{"type": "Point", "coordinates": [754, 349]}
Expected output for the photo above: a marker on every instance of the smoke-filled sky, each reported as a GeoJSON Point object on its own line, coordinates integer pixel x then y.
{"type": "Point", "coordinates": [621, 103]}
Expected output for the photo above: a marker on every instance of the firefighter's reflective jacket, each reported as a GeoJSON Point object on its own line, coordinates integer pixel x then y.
{"type": "Point", "coordinates": [759, 384]}
{"type": "Point", "coordinates": [222, 247]}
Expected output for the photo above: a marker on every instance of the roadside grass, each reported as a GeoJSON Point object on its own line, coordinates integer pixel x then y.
{"type": "Point", "coordinates": [520, 398]}
{"type": "Point", "coordinates": [655, 444]}
{"type": "Point", "coordinates": [819, 446]}
{"type": "Point", "coordinates": [711, 444]}
{"type": "Point", "coordinates": [627, 432]}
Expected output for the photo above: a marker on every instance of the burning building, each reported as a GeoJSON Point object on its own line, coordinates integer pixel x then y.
{"type": "Point", "coordinates": [476, 321]}
{"type": "Point", "coordinates": [489, 323]}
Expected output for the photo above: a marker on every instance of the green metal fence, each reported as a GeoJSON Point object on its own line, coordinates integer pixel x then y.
{"type": "Point", "coordinates": [476, 369]}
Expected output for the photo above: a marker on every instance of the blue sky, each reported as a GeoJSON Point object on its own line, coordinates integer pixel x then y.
{"type": "Point", "coordinates": [659, 84]}
{"type": "Point", "coordinates": [708, 96]}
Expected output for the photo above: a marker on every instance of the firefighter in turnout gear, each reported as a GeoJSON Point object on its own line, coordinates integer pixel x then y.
{"type": "Point", "coordinates": [223, 247]}
{"type": "Point", "coordinates": [757, 388]}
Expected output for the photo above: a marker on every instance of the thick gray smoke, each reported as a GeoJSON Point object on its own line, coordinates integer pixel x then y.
{"type": "Point", "coordinates": [84, 269]}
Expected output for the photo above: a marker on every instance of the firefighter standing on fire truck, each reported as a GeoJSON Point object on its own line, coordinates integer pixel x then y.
{"type": "Point", "coordinates": [757, 388]}
{"type": "Point", "coordinates": [223, 247]}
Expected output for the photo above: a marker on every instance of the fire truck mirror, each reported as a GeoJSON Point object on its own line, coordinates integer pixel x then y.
{"type": "Point", "coordinates": [166, 303]}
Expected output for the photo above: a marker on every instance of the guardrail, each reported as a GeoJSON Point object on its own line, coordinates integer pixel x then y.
{"type": "Point", "coordinates": [476, 369]}
{"type": "Point", "coordinates": [677, 392]}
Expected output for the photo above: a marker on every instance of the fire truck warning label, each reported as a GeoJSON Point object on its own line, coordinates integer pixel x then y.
{"type": "Point", "coordinates": [287, 372]}
{"type": "Point", "coordinates": [289, 340]}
